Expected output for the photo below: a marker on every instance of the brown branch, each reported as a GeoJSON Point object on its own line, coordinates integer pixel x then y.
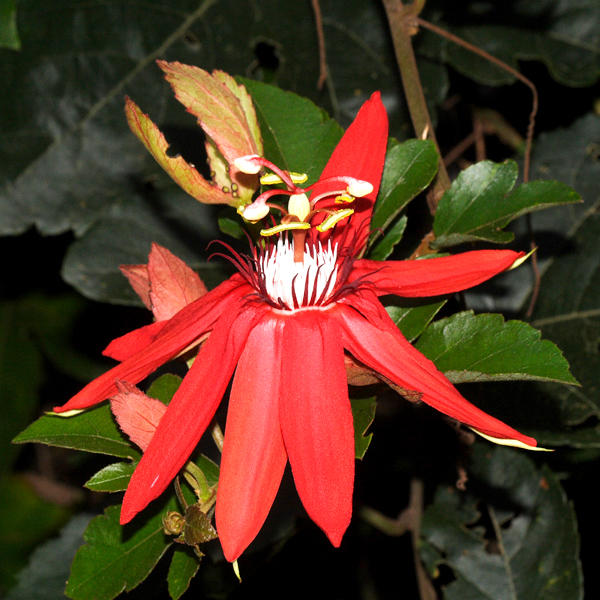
{"type": "Point", "coordinates": [496, 61]}
{"type": "Point", "coordinates": [402, 21]}
{"type": "Point", "coordinates": [321, 42]}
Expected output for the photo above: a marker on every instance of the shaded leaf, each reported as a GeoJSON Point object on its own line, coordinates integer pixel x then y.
{"type": "Point", "coordinates": [93, 430]}
{"type": "Point", "coordinates": [531, 549]}
{"type": "Point", "coordinates": [363, 413]}
{"type": "Point", "coordinates": [115, 559]}
{"type": "Point", "coordinates": [409, 169]}
{"type": "Point", "coordinates": [20, 376]}
{"type": "Point", "coordinates": [9, 36]}
{"type": "Point", "coordinates": [25, 521]}
{"type": "Point", "coordinates": [184, 565]}
{"type": "Point", "coordinates": [112, 478]}
{"type": "Point", "coordinates": [467, 347]}
{"type": "Point", "coordinates": [48, 568]}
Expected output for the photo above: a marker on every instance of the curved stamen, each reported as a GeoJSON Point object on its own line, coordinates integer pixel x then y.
{"type": "Point", "coordinates": [252, 163]}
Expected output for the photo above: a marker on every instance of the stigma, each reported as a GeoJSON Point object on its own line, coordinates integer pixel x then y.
{"type": "Point", "coordinates": [294, 285]}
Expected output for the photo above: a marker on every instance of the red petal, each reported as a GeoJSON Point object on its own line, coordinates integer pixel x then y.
{"type": "Point", "coordinates": [359, 154]}
{"type": "Point", "coordinates": [190, 411]}
{"type": "Point", "coordinates": [434, 276]}
{"type": "Point", "coordinates": [316, 420]}
{"type": "Point", "coordinates": [385, 350]}
{"type": "Point", "coordinates": [254, 457]}
{"type": "Point", "coordinates": [173, 284]}
{"type": "Point", "coordinates": [138, 415]}
{"type": "Point", "coordinates": [127, 345]}
{"type": "Point", "coordinates": [187, 326]}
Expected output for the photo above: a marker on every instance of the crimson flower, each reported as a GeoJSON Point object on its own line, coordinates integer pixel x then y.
{"type": "Point", "coordinates": [285, 323]}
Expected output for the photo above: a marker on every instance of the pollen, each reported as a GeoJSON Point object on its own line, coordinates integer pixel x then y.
{"type": "Point", "coordinates": [299, 284]}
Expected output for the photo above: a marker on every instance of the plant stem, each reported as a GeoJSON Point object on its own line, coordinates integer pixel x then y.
{"type": "Point", "coordinates": [402, 21]}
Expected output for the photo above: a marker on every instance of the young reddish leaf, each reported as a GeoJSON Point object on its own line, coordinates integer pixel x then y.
{"type": "Point", "coordinates": [137, 275]}
{"type": "Point", "coordinates": [138, 415]}
{"type": "Point", "coordinates": [225, 112]}
{"type": "Point", "coordinates": [182, 172]}
{"type": "Point", "coordinates": [173, 284]}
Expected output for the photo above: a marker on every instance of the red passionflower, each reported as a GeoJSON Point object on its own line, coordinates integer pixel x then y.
{"type": "Point", "coordinates": [285, 323]}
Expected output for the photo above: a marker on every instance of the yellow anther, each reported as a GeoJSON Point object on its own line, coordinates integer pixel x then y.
{"type": "Point", "coordinates": [344, 199]}
{"type": "Point", "coordinates": [334, 218]}
{"type": "Point", "coordinates": [298, 177]}
{"type": "Point", "coordinates": [521, 260]}
{"type": "Point", "coordinates": [299, 206]}
{"type": "Point", "coordinates": [359, 188]}
{"type": "Point", "coordinates": [270, 179]}
{"type": "Point", "coordinates": [514, 443]}
{"type": "Point", "coordinates": [284, 227]}
{"type": "Point", "coordinates": [273, 179]}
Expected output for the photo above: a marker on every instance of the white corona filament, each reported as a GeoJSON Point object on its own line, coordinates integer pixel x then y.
{"type": "Point", "coordinates": [317, 271]}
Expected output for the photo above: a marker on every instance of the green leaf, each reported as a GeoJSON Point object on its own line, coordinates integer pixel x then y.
{"type": "Point", "coordinates": [93, 430]}
{"type": "Point", "coordinates": [9, 36]}
{"type": "Point", "coordinates": [116, 559]}
{"type": "Point", "coordinates": [467, 347]}
{"type": "Point", "coordinates": [112, 478]}
{"type": "Point", "coordinates": [383, 248]}
{"type": "Point", "coordinates": [530, 549]}
{"type": "Point", "coordinates": [209, 468]}
{"type": "Point", "coordinates": [409, 169]}
{"type": "Point", "coordinates": [184, 565]}
{"type": "Point", "coordinates": [163, 388]}
{"type": "Point", "coordinates": [413, 318]}
{"type": "Point", "coordinates": [478, 204]}
{"type": "Point", "coordinates": [363, 412]}
{"type": "Point", "coordinates": [297, 134]}
{"type": "Point", "coordinates": [48, 568]}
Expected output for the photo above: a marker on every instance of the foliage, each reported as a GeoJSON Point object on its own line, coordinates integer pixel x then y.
{"type": "Point", "coordinates": [71, 169]}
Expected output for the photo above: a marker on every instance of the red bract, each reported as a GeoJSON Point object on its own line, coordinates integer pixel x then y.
{"type": "Point", "coordinates": [284, 324]}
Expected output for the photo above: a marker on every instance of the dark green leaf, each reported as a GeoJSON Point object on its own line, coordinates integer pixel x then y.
{"type": "Point", "coordinates": [112, 478]}
{"type": "Point", "coordinates": [297, 134]}
{"type": "Point", "coordinates": [163, 388]}
{"type": "Point", "coordinates": [20, 376]}
{"type": "Point", "coordinates": [93, 430]}
{"type": "Point", "coordinates": [531, 547]}
{"type": "Point", "coordinates": [184, 565]}
{"type": "Point", "coordinates": [412, 320]}
{"type": "Point", "coordinates": [116, 559]}
{"type": "Point", "coordinates": [232, 227]}
{"type": "Point", "coordinates": [363, 412]}
{"type": "Point", "coordinates": [478, 205]}
{"type": "Point", "coordinates": [409, 169]}
{"type": "Point", "coordinates": [383, 248]}
{"type": "Point", "coordinates": [568, 312]}
{"type": "Point", "coordinates": [9, 36]}
{"type": "Point", "coordinates": [48, 569]}
{"type": "Point", "coordinates": [486, 348]}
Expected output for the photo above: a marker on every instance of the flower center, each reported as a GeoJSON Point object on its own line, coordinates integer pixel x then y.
{"type": "Point", "coordinates": [291, 284]}
{"type": "Point", "coordinates": [300, 209]}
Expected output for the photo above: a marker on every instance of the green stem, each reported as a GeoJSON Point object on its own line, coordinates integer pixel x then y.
{"type": "Point", "coordinates": [403, 25]}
